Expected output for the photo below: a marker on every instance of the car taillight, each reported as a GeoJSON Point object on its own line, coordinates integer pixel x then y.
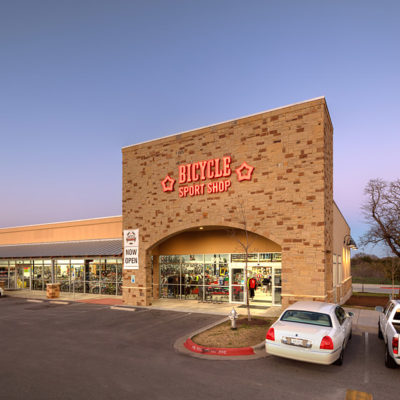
{"type": "Point", "coordinates": [270, 334]}
{"type": "Point", "coordinates": [326, 343]}
{"type": "Point", "coordinates": [395, 345]}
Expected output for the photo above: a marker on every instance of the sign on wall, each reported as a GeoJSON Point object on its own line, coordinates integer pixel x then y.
{"type": "Point", "coordinates": [131, 249]}
{"type": "Point", "coordinates": [206, 177]}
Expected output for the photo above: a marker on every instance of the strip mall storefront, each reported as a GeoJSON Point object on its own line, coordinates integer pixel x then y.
{"type": "Point", "coordinates": [83, 256]}
{"type": "Point", "coordinates": [194, 202]}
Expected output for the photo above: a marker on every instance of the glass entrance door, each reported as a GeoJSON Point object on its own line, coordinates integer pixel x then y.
{"type": "Point", "coordinates": [277, 286]}
{"type": "Point", "coordinates": [19, 278]}
{"type": "Point", "coordinates": [263, 292]}
{"type": "Point", "coordinates": [236, 284]}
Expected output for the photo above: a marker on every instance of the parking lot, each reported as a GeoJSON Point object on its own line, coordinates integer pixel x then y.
{"type": "Point", "coordinates": [85, 351]}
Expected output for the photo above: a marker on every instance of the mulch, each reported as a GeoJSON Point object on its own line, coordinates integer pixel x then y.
{"type": "Point", "coordinates": [248, 333]}
{"type": "Point", "coordinates": [367, 301]}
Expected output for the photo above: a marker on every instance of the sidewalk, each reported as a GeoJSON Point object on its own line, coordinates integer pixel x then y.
{"type": "Point", "coordinates": [79, 297]}
{"type": "Point", "coordinates": [187, 306]}
{"type": "Point", "coordinates": [363, 320]}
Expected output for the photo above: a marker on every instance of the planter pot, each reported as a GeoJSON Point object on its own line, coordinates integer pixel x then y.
{"type": "Point", "coordinates": [53, 290]}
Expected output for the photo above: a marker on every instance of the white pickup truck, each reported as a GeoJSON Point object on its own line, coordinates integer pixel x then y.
{"type": "Point", "coordinates": [389, 330]}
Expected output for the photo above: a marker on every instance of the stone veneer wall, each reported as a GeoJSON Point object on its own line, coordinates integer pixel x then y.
{"type": "Point", "coordinates": [289, 199]}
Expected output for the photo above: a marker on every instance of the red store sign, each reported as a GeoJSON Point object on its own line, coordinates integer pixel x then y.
{"type": "Point", "coordinates": [192, 177]}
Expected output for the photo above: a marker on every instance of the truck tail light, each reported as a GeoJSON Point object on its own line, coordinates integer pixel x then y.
{"type": "Point", "coordinates": [395, 345]}
{"type": "Point", "coordinates": [270, 334]}
{"type": "Point", "coordinates": [326, 343]}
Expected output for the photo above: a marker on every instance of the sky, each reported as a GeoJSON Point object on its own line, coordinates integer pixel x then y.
{"type": "Point", "coordinates": [80, 79]}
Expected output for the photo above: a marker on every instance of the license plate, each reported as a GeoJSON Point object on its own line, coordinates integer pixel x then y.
{"type": "Point", "coordinates": [296, 342]}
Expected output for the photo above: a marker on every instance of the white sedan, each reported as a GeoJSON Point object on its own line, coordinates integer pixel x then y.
{"type": "Point", "coordinates": [1, 291]}
{"type": "Point", "coordinates": [310, 331]}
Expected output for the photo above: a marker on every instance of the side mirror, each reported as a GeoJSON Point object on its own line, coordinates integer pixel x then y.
{"type": "Point", "coordinates": [379, 308]}
{"type": "Point", "coordinates": [350, 314]}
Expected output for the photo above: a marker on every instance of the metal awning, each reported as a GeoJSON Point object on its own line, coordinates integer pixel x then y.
{"type": "Point", "coordinates": [84, 248]}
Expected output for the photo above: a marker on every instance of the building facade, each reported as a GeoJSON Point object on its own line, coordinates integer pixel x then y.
{"type": "Point", "coordinates": [83, 256]}
{"type": "Point", "coordinates": [259, 185]}
{"type": "Point", "coordinates": [208, 209]}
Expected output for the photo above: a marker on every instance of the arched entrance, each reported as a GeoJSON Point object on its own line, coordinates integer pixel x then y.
{"type": "Point", "coordinates": [207, 264]}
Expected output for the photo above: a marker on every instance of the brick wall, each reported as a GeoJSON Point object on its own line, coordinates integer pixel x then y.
{"type": "Point", "coordinates": [289, 199]}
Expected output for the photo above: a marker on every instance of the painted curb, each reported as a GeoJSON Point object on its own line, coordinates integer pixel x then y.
{"type": "Point", "coordinates": [218, 351]}
{"type": "Point", "coordinates": [187, 346]}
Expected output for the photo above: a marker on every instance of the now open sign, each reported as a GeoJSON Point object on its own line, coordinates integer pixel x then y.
{"type": "Point", "coordinates": [131, 249]}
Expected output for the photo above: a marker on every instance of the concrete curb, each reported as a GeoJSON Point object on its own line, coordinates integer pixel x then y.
{"type": "Point", "coordinates": [218, 351]}
{"type": "Point", "coordinates": [186, 346]}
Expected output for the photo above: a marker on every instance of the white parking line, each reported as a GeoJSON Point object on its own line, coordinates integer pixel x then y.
{"type": "Point", "coordinates": [366, 352]}
{"type": "Point", "coordinates": [58, 302]}
{"type": "Point", "coordinates": [122, 308]}
{"type": "Point", "coordinates": [35, 301]}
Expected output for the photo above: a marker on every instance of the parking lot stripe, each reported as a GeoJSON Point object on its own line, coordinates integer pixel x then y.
{"type": "Point", "coordinates": [366, 353]}
{"type": "Point", "coordinates": [356, 395]}
{"type": "Point", "coordinates": [122, 308]}
{"type": "Point", "coordinates": [34, 301]}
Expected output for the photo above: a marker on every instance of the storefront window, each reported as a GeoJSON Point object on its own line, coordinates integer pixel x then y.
{"type": "Point", "coordinates": [109, 277]}
{"type": "Point", "coordinates": [237, 285]}
{"type": "Point", "coordinates": [47, 272]}
{"type": "Point", "coordinates": [78, 277]}
{"type": "Point", "coordinates": [276, 257]}
{"type": "Point", "coordinates": [74, 275]}
{"type": "Point", "coordinates": [4, 272]}
{"type": "Point", "coordinates": [251, 257]}
{"type": "Point", "coordinates": [215, 277]}
{"type": "Point", "coordinates": [37, 275]}
{"type": "Point", "coordinates": [277, 286]}
{"type": "Point", "coordinates": [62, 272]}
{"type": "Point", "coordinates": [170, 274]}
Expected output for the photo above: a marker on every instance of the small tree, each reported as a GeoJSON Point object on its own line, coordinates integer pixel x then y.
{"type": "Point", "coordinates": [392, 270]}
{"type": "Point", "coordinates": [245, 245]}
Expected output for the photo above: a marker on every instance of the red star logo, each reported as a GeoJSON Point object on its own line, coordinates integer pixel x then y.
{"type": "Point", "coordinates": [168, 184]}
{"type": "Point", "coordinates": [244, 176]}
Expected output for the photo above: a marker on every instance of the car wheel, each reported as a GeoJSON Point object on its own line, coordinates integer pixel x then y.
{"type": "Point", "coordinates": [380, 336]}
{"type": "Point", "coordinates": [339, 361]}
{"type": "Point", "coordinates": [351, 334]}
{"type": "Point", "coordinates": [389, 362]}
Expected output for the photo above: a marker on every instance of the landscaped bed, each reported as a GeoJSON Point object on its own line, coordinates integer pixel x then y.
{"type": "Point", "coordinates": [367, 300]}
{"type": "Point", "coordinates": [248, 333]}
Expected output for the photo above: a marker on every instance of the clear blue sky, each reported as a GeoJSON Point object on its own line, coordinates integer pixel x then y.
{"type": "Point", "coordinates": [80, 79]}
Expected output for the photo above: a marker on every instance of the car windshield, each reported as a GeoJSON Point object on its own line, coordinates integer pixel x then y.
{"type": "Point", "coordinates": [307, 317]}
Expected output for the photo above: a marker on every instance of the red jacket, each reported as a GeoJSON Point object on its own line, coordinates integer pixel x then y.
{"type": "Point", "coordinates": [252, 283]}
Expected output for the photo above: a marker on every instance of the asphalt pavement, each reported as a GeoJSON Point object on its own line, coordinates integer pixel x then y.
{"type": "Point", "coordinates": [86, 351]}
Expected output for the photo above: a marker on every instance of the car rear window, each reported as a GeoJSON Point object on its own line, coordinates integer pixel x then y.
{"type": "Point", "coordinates": [396, 316]}
{"type": "Point", "coordinates": [307, 317]}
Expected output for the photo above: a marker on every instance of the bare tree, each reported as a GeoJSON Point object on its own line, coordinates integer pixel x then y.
{"type": "Point", "coordinates": [245, 243]}
{"type": "Point", "coordinates": [382, 212]}
{"type": "Point", "coordinates": [392, 270]}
